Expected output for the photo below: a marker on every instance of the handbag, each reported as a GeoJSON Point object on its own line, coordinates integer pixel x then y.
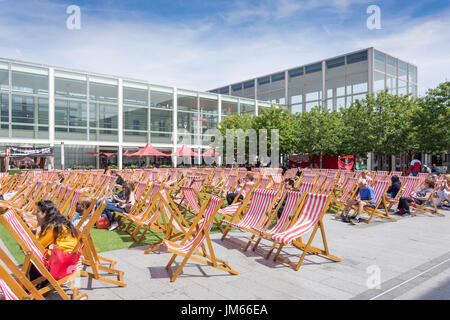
{"type": "Point", "coordinates": [102, 223]}
{"type": "Point", "coordinates": [61, 264]}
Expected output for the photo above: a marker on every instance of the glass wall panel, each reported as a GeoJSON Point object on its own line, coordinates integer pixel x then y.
{"type": "Point", "coordinates": [247, 108]}
{"type": "Point", "coordinates": [297, 108]}
{"type": "Point", "coordinates": [229, 107]}
{"type": "Point", "coordinates": [402, 87]}
{"type": "Point", "coordinates": [209, 114]}
{"type": "Point", "coordinates": [187, 113]}
{"type": "Point", "coordinates": [163, 100]}
{"type": "Point", "coordinates": [103, 92]}
{"type": "Point", "coordinates": [31, 110]}
{"type": "Point", "coordinates": [4, 115]}
{"type": "Point", "coordinates": [4, 79]}
{"type": "Point", "coordinates": [379, 61]}
{"type": "Point", "coordinates": [378, 81]}
{"type": "Point", "coordinates": [402, 70]}
{"type": "Point", "coordinates": [161, 120]}
{"type": "Point", "coordinates": [135, 118]}
{"type": "Point", "coordinates": [412, 73]}
{"type": "Point", "coordinates": [135, 96]}
{"type": "Point", "coordinates": [391, 66]}
{"type": "Point", "coordinates": [70, 113]}
{"type": "Point", "coordinates": [391, 84]}
{"type": "Point", "coordinates": [163, 138]}
{"type": "Point", "coordinates": [70, 88]}
{"type": "Point", "coordinates": [29, 82]}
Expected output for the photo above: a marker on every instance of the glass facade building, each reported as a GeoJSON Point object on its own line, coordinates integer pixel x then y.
{"type": "Point", "coordinates": [335, 82]}
{"type": "Point", "coordinates": [44, 106]}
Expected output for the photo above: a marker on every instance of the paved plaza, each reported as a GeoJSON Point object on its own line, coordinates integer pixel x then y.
{"type": "Point", "coordinates": [411, 257]}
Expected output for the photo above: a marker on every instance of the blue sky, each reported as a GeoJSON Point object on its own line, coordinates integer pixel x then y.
{"type": "Point", "coordinates": [206, 44]}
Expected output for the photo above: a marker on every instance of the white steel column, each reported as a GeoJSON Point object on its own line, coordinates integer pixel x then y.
{"type": "Point", "coordinates": [175, 126]}
{"type": "Point", "coordinates": [324, 89]}
{"type": "Point", "coordinates": [120, 124]}
{"type": "Point", "coordinates": [51, 110]}
{"type": "Point", "coordinates": [370, 71]}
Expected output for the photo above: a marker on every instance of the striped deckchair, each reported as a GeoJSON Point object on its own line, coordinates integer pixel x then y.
{"type": "Point", "coordinates": [192, 242]}
{"type": "Point", "coordinates": [309, 218]}
{"type": "Point", "coordinates": [293, 201]}
{"type": "Point", "coordinates": [408, 185]}
{"type": "Point", "coordinates": [258, 212]}
{"type": "Point", "coordinates": [13, 288]}
{"type": "Point", "coordinates": [34, 254]}
{"type": "Point", "coordinates": [380, 187]}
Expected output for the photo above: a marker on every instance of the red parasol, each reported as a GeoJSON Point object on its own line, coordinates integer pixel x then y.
{"type": "Point", "coordinates": [185, 151]}
{"type": "Point", "coordinates": [210, 153]}
{"type": "Point", "coordinates": [148, 151]}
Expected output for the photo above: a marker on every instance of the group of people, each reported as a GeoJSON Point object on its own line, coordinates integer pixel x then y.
{"type": "Point", "coordinates": [367, 194]}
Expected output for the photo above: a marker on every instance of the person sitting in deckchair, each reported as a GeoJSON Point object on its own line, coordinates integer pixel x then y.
{"type": "Point", "coordinates": [422, 196]}
{"type": "Point", "coordinates": [443, 192]}
{"type": "Point", "coordinates": [289, 185]}
{"type": "Point", "coordinates": [82, 205]}
{"type": "Point", "coordinates": [247, 180]}
{"type": "Point", "coordinates": [394, 188]}
{"type": "Point", "coordinates": [366, 195]}
{"type": "Point", "coordinates": [55, 231]}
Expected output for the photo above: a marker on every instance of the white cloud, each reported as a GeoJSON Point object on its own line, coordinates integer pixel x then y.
{"type": "Point", "coordinates": [207, 54]}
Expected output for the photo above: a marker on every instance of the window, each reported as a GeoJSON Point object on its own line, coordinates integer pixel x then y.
{"type": "Point", "coordinates": [264, 80]}
{"type": "Point", "coordinates": [103, 92]}
{"type": "Point", "coordinates": [296, 72]}
{"type": "Point", "coordinates": [249, 84]}
{"type": "Point", "coordinates": [163, 100]}
{"type": "Point", "coordinates": [4, 79]}
{"type": "Point", "coordinates": [224, 90]}
{"type": "Point", "coordinates": [30, 83]}
{"type": "Point", "coordinates": [402, 70]}
{"type": "Point", "coordinates": [313, 68]}
{"type": "Point", "coordinates": [30, 110]}
{"type": "Point", "coordinates": [161, 120]}
{"type": "Point", "coordinates": [278, 77]}
{"type": "Point", "coordinates": [357, 57]}
{"type": "Point", "coordinates": [335, 62]}
{"type": "Point", "coordinates": [135, 118]}
{"type": "Point", "coordinates": [237, 87]}
{"type": "Point", "coordinates": [297, 108]}
{"type": "Point", "coordinates": [4, 110]}
{"type": "Point", "coordinates": [135, 96]}
{"type": "Point", "coordinates": [412, 73]}
{"type": "Point", "coordinates": [391, 67]}
{"type": "Point", "coordinates": [378, 81]}
{"type": "Point", "coordinates": [379, 61]}
{"type": "Point", "coordinates": [70, 88]}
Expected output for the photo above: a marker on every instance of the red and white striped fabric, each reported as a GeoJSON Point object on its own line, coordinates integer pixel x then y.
{"type": "Point", "coordinates": [293, 198]}
{"type": "Point", "coordinates": [206, 224]}
{"type": "Point", "coordinates": [13, 221]}
{"type": "Point", "coordinates": [380, 175]}
{"type": "Point", "coordinates": [231, 209]}
{"type": "Point", "coordinates": [263, 183]}
{"type": "Point", "coordinates": [306, 187]}
{"type": "Point", "coordinates": [197, 184]}
{"type": "Point", "coordinates": [379, 189]}
{"type": "Point", "coordinates": [348, 188]}
{"type": "Point", "coordinates": [255, 216]}
{"type": "Point", "coordinates": [168, 213]}
{"type": "Point", "coordinates": [311, 211]}
{"type": "Point", "coordinates": [191, 198]}
{"type": "Point", "coordinates": [277, 178]}
{"type": "Point", "coordinates": [77, 194]}
{"type": "Point", "coordinates": [6, 291]}
{"type": "Point", "coordinates": [308, 178]}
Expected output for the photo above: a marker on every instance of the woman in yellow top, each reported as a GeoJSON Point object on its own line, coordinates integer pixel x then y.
{"type": "Point", "coordinates": [55, 230]}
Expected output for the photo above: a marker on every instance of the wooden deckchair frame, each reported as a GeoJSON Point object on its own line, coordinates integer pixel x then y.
{"type": "Point", "coordinates": [31, 258]}
{"type": "Point", "coordinates": [207, 258]}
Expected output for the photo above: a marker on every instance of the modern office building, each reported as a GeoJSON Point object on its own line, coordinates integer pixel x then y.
{"type": "Point", "coordinates": [44, 106]}
{"type": "Point", "coordinates": [335, 82]}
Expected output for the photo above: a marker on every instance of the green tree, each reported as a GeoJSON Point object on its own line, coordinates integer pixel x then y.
{"type": "Point", "coordinates": [319, 132]}
{"type": "Point", "coordinates": [431, 121]}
